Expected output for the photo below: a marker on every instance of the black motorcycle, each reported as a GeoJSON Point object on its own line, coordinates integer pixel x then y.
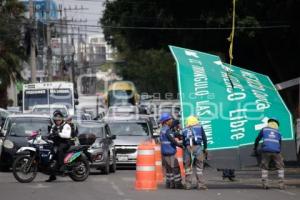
{"type": "Point", "coordinates": [39, 157]}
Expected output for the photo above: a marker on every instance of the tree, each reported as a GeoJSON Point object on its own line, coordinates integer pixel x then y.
{"type": "Point", "coordinates": [267, 34]}
{"type": "Point", "coordinates": [12, 53]}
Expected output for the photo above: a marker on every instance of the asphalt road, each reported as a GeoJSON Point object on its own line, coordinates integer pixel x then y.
{"type": "Point", "coordinates": [120, 186]}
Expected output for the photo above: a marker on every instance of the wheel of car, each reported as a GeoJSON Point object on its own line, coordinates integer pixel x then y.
{"type": "Point", "coordinates": [105, 169]}
{"type": "Point", "coordinates": [113, 166]}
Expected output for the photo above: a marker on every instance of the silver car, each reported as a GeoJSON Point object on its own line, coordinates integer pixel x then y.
{"type": "Point", "coordinates": [130, 133]}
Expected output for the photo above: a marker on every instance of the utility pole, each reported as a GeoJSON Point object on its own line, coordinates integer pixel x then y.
{"type": "Point", "coordinates": [32, 40]}
{"type": "Point", "coordinates": [49, 51]}
{"type": "Point", "coordinates": [72, 62]}
{"type": "Point", "coordinates": [79, 48]}
{"type": "Point", "coordinates": [61, 44]}
{"type": "Point", "coordinates": [68, 50]}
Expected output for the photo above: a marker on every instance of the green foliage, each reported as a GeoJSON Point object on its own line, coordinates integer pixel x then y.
{"type": "Point", "coordinates": [11, 52]}
{"type": "Point", "coordinates": [269, 41]}
{"type": "Point", "coordinates": [152, 71]}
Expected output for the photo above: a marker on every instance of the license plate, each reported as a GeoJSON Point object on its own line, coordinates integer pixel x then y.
{"type": "Point", "coordinates": [122, 158]}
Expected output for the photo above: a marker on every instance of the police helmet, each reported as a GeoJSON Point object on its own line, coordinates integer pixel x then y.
{"type": "Point", "coordinates": [58, 115]}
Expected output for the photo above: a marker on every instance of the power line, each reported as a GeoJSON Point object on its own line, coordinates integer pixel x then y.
{"type": "Point", "coordinates": [185, 28]}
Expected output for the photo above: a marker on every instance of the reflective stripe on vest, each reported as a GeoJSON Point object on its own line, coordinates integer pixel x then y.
{"type": "Point", "coordinates": [195, 133]}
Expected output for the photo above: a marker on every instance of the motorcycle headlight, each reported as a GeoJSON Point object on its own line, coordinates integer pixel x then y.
{"type": "Point", "coordinates": [8, 144]}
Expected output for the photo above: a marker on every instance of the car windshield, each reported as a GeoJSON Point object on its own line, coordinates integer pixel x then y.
{"type": "Point", "coordinates": [129, 129]}
{"type": "Point", "coordinates": [91, 129]}
{"type": "Point", "coordinates": [24, 127]}
{"type": "Point", "coordinates": [120, 97]}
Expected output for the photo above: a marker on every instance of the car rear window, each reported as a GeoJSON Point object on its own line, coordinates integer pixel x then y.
{"type": "Point", "coordinates": [129, 129]}
{"type": "Point", "coordinates": [23, 127]}
{"type": "Point", "coordinates": [91, 129]}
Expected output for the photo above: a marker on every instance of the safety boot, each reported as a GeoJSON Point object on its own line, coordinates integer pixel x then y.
{"type": "Point", "coordinates": [179, 185]}
{"type": "Point", "coordinates": [172, 185]}
{"type": "Point", "coordinates": [266, 186]}
{"type": "Point", "coordinates": [188, 186]}
{"type": "Point", "coordinates": [168, 185]}
{"type": "Point", "coordinates": [51, 178]}
{"type": "Point", "coordinates": [202, 187]}
{"type": "Point", "coordinates": [282, 186]}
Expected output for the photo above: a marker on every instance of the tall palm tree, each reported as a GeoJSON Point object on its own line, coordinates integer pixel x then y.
{"type": "Point", "coordinates": [12, 53]}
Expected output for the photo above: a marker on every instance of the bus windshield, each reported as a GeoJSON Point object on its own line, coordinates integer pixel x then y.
{"type": "Point", "coordinates": [120, 97]}
{"type": "Point", "coordinates": [61, 96]}
{"type": "Point", "coordinates": [35, 97]}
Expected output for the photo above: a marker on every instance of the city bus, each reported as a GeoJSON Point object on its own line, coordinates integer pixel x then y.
{"type": "Point", "coordinates": [48, 93]}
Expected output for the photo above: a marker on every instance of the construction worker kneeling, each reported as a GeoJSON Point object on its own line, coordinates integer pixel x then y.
{"type": "Point", "coordinates": [168, 150]}
{"type": "Point", "coordinates": [193, 139]}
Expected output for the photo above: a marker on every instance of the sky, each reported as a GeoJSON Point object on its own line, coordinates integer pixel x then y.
{"type": "Point", "coordinates": [93, 12]}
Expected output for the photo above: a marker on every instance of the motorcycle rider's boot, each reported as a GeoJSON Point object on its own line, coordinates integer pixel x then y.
{"type": "Point", "coordinates": [51, 178]}
{"type": "Point", "coordinates": [62, 168]}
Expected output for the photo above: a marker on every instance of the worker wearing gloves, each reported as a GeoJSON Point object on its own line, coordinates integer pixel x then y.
{"type": "Point", "coordinates": [195, 143]}
{"type": "Point", "coordinates": [168, 150]}
{"type": "Point", "coordinates": [270, 151]}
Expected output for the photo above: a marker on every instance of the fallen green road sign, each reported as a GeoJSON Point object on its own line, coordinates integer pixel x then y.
{"type": "Point", "coordinates": [232, 103]}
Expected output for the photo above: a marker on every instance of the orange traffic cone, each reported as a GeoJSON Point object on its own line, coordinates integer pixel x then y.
{"type": "Point", "coordinates": [145, 168]}
{"type": "Point", "coordinates": [179, 156]}
{"type": "Point", "coordinates": [158, 164]}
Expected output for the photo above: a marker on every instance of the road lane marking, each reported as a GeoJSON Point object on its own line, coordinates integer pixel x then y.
{"type": "Point", "coordinates": [98, 179]}
{"type": "Point", "coordinates": [117, 189]}
{"type": "Point", "coordinates": [38, 186]}
{"type": "Point", "coordinates": [128, 179]}
{"type": "Point", "coordinates": [286, 192]}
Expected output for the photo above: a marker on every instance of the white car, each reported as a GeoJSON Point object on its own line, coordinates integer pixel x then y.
{"type": "Point", "coordinates": [49, 109]}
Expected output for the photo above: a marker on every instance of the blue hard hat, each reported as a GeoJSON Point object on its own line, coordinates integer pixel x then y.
{"type": "Point", "coordinates": [273, 119]}
{"type": "Point", "coordinates": [165, 117]}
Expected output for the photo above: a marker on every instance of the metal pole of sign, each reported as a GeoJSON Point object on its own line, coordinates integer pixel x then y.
{"type": "Point", "coordinates": [298, 126]}
{"type": "Point", "coordinates": [288, 84]}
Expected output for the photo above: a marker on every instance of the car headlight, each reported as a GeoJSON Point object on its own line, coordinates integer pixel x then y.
{"type": "Point", "coordinates": [8, 144]}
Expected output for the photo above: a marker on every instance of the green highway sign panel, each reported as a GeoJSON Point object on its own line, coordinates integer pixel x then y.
{"type": "Point", "coordinates": [232, 103]}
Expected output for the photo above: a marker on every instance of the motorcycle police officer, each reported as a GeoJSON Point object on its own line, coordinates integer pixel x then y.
{"type": "Point", "coordinates": [270, 151]}
{"type": "Point", "coordinates": [168, 150]}
{"type": "Point", "coordinates": [193, 139]}
{"type": "Point", "coordinates": [60, 133]}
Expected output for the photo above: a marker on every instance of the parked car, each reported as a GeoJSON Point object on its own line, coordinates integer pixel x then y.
{"type": "Point", "coordinates": [102, 150]}
{"type": "Point", "coordinates": [130, 133]}
{"type": "Point", "coordinates": [46, 109]}
{"type": "Point", "coordinates": [15, 133]}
